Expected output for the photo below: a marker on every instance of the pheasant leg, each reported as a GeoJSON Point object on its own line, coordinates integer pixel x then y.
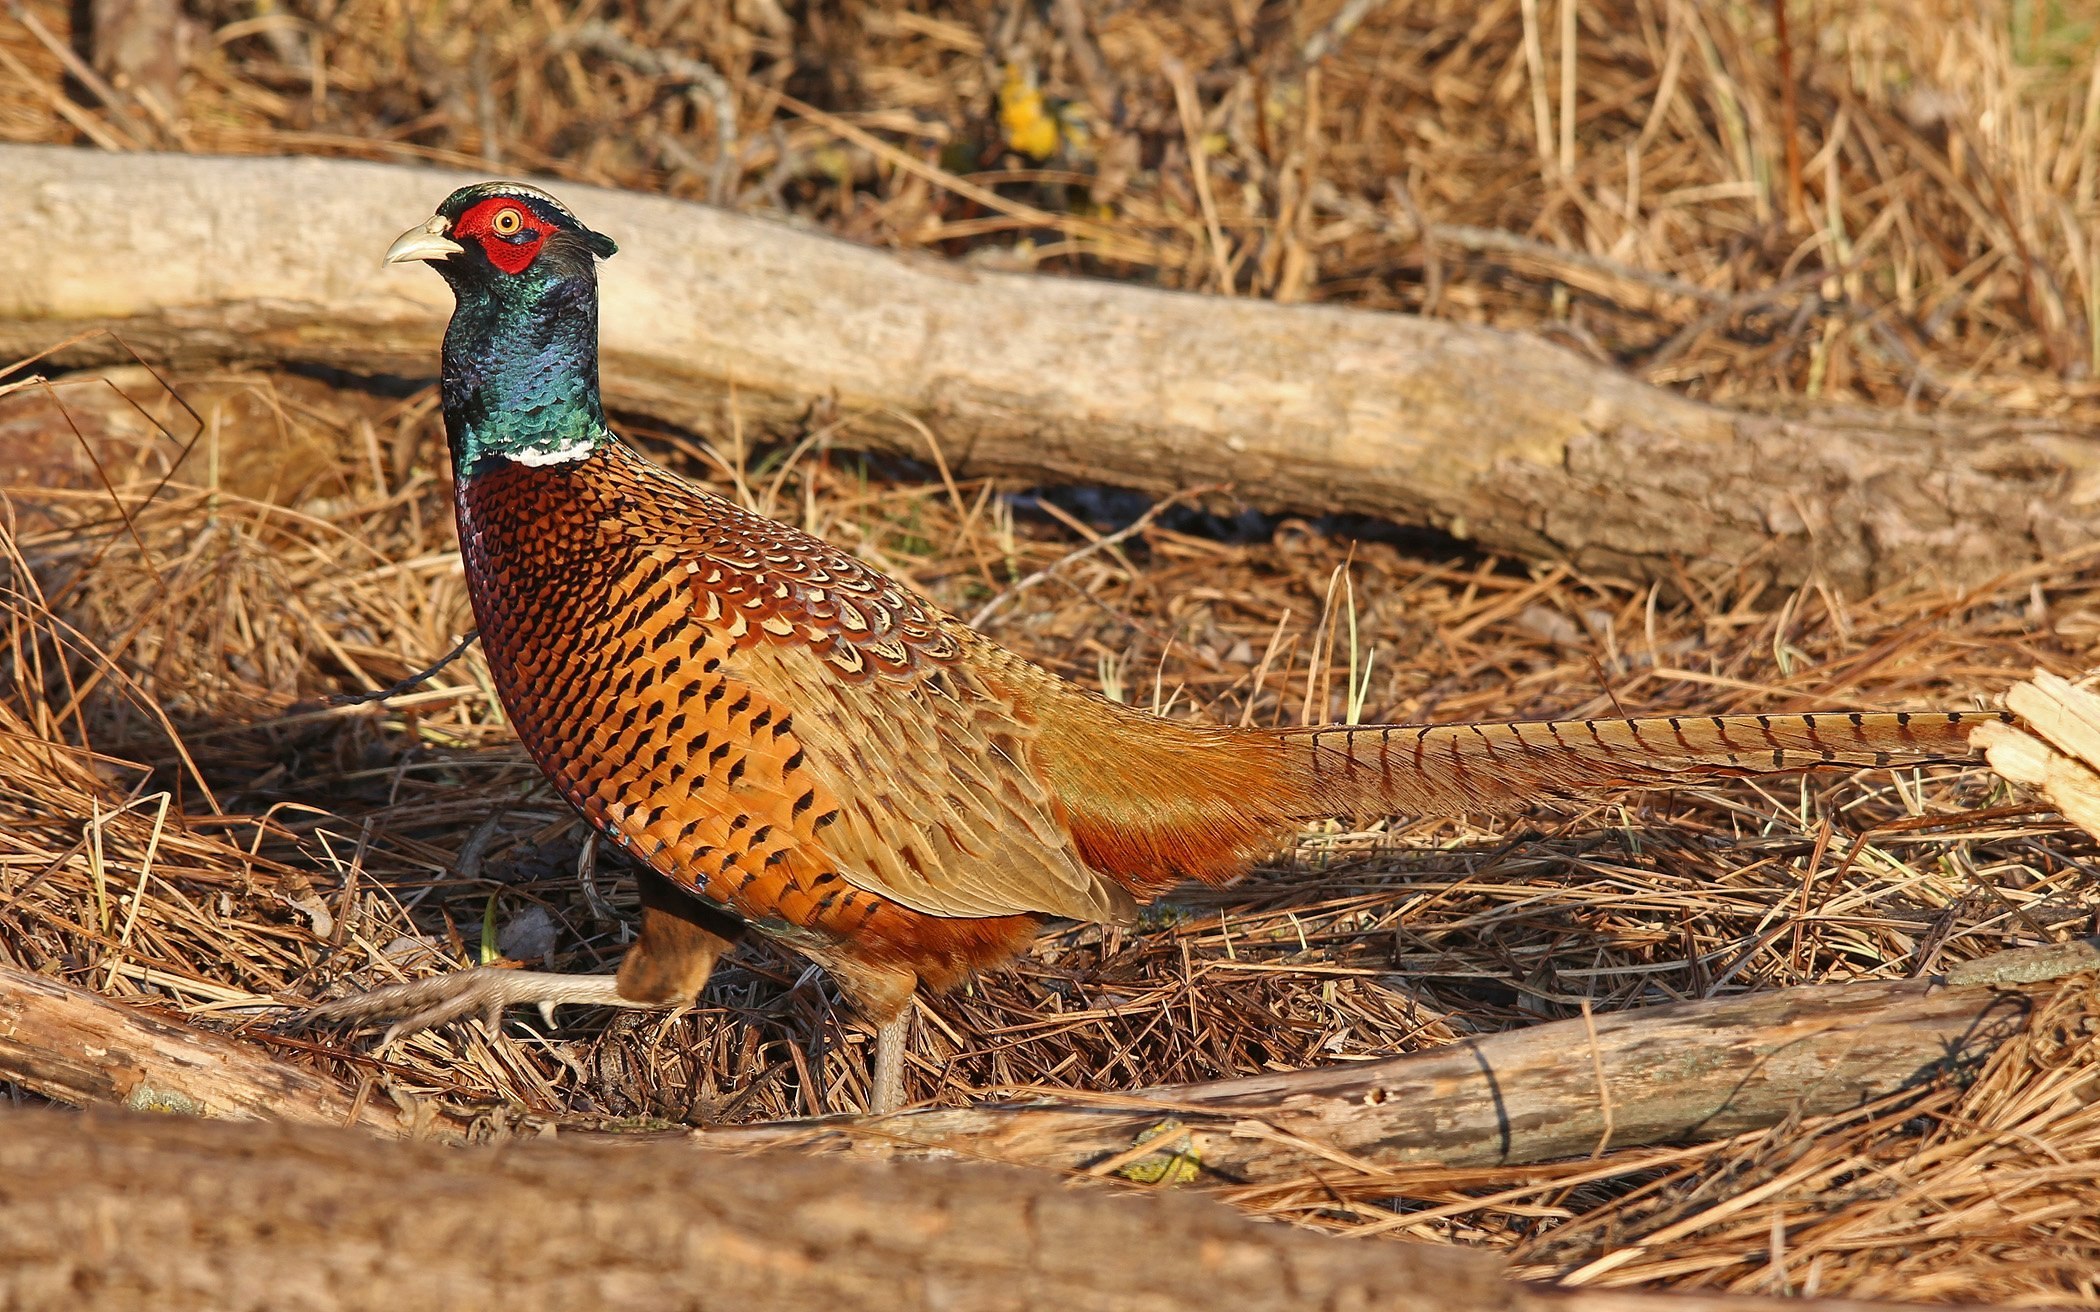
{"type": "Point", "coordinates": [886, 1080]}
{"type": "Point", "coordinates": [666, 967]}
{"type": "Point", "coordinates": [425, 1003]}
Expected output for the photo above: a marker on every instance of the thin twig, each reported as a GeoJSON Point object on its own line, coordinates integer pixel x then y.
{"type": "Point", "coordinates": [1481, 241]}
{"type": "Point", "coordinates": [1121, 535]}
{"type": "Point", "coordinates": [412, 682]}
{"type": "Point", "coordinates": [707, 87]}
{"type": "Point", "coordinates": [1330, 38]}
{"type": "Point", "coordinates": [1789, 124]}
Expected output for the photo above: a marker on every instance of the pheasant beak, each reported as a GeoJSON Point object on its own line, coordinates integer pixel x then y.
{"type": "Point", "coordinates": [425, 241]}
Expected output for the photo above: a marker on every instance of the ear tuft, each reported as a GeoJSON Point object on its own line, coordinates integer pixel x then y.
{"type": "Point", "coordinates": [601, 245]}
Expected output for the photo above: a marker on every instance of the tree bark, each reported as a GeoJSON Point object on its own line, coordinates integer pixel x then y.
{"type": "Point", "coordinates": [1516, 444]}
{"type": "Point", "coordinates": [1682, 1073]}
{"type": "Point", "coordinates": [129, 1211]}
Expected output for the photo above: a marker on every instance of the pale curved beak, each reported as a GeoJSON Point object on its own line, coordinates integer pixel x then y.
{"type": "Point", "coordinates": [425, 241]}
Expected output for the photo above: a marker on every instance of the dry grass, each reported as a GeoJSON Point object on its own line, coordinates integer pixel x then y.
{"type": "Point", "coordinates": [183, 823]}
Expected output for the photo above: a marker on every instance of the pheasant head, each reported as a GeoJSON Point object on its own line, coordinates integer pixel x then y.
{"type": "Point", "coordinates": [520, 367]}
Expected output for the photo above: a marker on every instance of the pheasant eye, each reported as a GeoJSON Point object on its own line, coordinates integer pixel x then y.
{"type": "Point", "coordinates": [507, 222]}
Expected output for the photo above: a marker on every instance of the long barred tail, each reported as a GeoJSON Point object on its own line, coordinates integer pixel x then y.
{"type": "Point", "coordinates": [1150, 801]}
{"type": "Point", "coordinates": [1445, 769]}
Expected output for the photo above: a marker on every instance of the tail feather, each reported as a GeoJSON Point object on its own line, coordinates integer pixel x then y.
{"type": "Point", "coordinates": [1446, 769]}
{"type": "Point", "coordinates": [1150, 802]}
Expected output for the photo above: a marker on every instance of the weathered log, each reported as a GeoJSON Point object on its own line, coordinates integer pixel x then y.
{"type": "Point", "coordinates": [114, 1211]}
{"type": "Point", "coordinates": [75, 1046]}
{"type": "Point", "coordinates": [2055, 749]}
{"type": "Point", "coordinates": [1514, 443]}
{"type": "Point", "coordinates": [1679, 1073]}
{"type": "Point", "coordinates": [1682, 1073]}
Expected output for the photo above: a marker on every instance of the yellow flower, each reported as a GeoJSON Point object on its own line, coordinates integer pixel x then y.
{"type": "Point", "coordinates": [1027, 120]}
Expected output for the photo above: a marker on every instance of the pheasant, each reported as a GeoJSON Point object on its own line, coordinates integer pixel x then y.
{"type": "Point", "coordinates": [784, 739]}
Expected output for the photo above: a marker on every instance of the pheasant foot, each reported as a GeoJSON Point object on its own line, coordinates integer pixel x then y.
{"type": "Point", "coordinates": [426, 1003]}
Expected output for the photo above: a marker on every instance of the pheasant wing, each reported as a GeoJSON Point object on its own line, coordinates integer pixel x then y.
{"type": "Point", "coordinates": [938, 803]}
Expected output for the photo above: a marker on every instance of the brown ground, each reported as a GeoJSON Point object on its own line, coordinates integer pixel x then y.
{"type": "Point", "coordinates": [180, 822]}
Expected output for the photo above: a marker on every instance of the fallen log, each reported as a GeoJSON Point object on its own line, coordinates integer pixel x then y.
{"type": "Point", "coordinates": [179, 1215]}
{"type": "Point", "coordinates": [1506, 440]}
{"type": "Point", "coordinates": [2055, 748]}
{"type": "Point", "coordinates": [1682, 1073]}
{"type": "Point", "coordinates": [78, 1047]}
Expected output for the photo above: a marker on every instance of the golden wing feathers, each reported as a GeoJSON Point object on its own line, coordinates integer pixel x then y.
{"type": "Point", "coordinates": [939, 808]}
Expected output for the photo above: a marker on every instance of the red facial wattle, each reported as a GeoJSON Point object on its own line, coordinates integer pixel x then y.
{"type": "Point", "coordinates": [507, 232]}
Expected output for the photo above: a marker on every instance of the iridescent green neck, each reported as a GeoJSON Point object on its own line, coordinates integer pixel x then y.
{"type": "Point", "coordinates": [520, 378]}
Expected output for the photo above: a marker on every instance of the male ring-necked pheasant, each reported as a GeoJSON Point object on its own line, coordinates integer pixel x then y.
{"type": "Point", "coordinates": [763, 721]}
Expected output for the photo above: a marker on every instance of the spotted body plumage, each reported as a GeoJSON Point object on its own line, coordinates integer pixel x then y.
{"type": "Point", "coordinates": [651, 642]}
